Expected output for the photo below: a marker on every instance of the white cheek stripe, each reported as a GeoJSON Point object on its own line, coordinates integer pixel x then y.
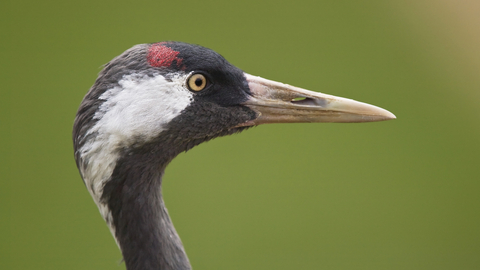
{"type": "Point", "coordinates": [136, 111]}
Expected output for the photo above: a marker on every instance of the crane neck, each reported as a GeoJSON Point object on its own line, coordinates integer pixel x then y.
{"type": "Point", "coordinates": [141, 224]}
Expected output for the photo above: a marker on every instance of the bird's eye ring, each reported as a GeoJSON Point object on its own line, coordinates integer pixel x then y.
{"type": "Point", "coordinates": [197, 82]}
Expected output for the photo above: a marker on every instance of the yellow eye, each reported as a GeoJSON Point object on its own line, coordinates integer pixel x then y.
{"type": "Point", "coordinates": [197, 82]}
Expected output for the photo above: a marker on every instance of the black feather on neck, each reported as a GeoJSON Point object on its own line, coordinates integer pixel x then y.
{"type": "Point", "coordinates": [133, 194]}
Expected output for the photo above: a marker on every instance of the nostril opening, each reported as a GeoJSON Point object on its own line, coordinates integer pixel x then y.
{"type": "Point", "coordinates": [304, 101]}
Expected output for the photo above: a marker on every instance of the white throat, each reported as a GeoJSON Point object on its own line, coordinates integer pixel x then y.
{"type": "Point", "coordinates": [137, 110]}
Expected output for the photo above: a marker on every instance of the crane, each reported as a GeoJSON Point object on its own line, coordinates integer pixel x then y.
{"type": "Point", "coordinates": [157, 100]}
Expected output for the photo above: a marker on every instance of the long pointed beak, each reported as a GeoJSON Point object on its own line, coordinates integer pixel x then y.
{"type": "Point", "coordinates": [276, 102]}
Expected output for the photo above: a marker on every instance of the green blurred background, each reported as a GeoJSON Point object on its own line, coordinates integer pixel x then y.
{"type": "Point", "coordinates": [401, 194]}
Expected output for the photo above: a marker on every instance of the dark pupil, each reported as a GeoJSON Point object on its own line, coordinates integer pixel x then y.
{"type": "Point", "coordinates": [198, 82]}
